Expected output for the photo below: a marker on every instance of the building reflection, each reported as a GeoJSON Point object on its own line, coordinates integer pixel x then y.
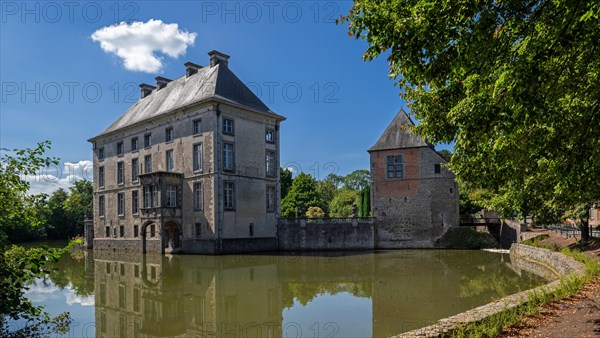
{"type": "Point", "coordinates": [245, 296]}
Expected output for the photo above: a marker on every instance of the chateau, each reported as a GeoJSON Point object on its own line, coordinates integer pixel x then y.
{"type": "Point", "coordinates": [192, 166]}
{"type": "Point", "coordinates": [413, 196]}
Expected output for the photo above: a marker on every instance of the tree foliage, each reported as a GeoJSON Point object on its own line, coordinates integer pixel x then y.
{"type": "Point", "coordinates": [285, 180]}
{"type": "Point", "coordinates": [341, 205]}
{"type": "Point", "coordinates": [315, 212]}
{"type": "Point", "coordinates": [19, 266]}
{"type": "Point", "coordinates": [18, 207]}
{"type": "Point", "coordinates": [302, 195]}
{"type": "Point", "coordinates": [514, 84]}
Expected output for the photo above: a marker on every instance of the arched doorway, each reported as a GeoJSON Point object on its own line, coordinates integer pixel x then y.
{"type": "Point", "coordinates": [173, 237]}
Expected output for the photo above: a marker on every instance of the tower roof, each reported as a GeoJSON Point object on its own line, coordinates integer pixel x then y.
{"type": "Point", "coordinates": [398, 135]}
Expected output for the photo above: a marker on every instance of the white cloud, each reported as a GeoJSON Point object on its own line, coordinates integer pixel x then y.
{"type": "Point", "coordinates": [72, 298]}
{"type": "Point", "coordinates": [136, 43]}
{"type": "Point", "coordinates": [54, 178]}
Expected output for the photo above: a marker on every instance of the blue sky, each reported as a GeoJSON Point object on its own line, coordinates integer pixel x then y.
{"type": "Point", "coordinates": [58, 83]}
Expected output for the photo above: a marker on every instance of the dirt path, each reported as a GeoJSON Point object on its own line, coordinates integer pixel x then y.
{"type": "Point", "coordinates": [578, 316]}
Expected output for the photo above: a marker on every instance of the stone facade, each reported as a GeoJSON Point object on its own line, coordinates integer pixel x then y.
{"type": "Point", "coordinates": [190, 165]}
{"type": "Point", "coordinates": [414, 197]}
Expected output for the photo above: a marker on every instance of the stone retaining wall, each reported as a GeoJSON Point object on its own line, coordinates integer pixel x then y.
{"type": "Point", "coordinates": [560, 264]}
{"type": "Point", "coordinates": [326, 236]}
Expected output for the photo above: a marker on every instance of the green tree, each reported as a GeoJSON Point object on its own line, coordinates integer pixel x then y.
{"type": "Point", "coordinates": [19, 266]}
{"type": "Point", "coordinates": [58, 221]}
{"type": "Point", "coordinates": [79, 206]}
{"type": "Point", "coordinates": [285, 180]}
{"type": "Point", "coordinates": [327, 191]}
{"type": "Point", "coordinates": [445, 154]}
{"type": "Point", "coordinates": [335, 179]}
{"type": "Point", "coordinates": [303, 194]}
{"type": "Point", "coordinates": [17, 211]}
{"type": "Point", "coordinates": [358, 179]}
{"type": "Point", "coordinates": [365, 201]}
{"type": "Point", "coordinates": [341, 205]}
{"type": "Point", "coordinates": [515, 85]}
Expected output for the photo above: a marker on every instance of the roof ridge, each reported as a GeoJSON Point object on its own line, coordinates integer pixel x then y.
{"type": "Point", "coordinates": [398, 135]}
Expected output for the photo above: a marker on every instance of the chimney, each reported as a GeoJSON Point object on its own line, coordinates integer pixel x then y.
{"type": "Point", "coordinates": [146, 89]}
{"type": "Point", "coordinates": [217, 58]}
{"type": "Point", "coordinates": [161, 82]}
{"type": "Point", "coordinates": [191, 68]}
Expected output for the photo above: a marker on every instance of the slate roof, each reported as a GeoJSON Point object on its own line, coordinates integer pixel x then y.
{"type": "Point", "coordinates": [397, 135]}
{"type": "Point", "coordinates": [210, 83]}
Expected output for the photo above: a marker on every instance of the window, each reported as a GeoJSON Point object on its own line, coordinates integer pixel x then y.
{"type": "Point", "coordinates": [395, 167]}
{"type": "Point", "coordinates": [152, 230]}
{"type": "Point", "coordinates": [197, 157]}
{"type": "Point", "coordinates": [437, 168]}
{"type": "Point", "coordinates": [270, 136]}
{"type": "Point", "coordinates": [270, 163]}
{"type": "Point", "coordinates": [135, 169]}
{"type": "Point", "coordinates": [251, 233]}
{"type": "Point", "coordinates": [135, 203]}
{"type": "Point", "coordinates": [227, 126]}
{"type": "Point", "coordinates": [136, 233]}
{"type": "Point", "coordinates": [155, 200]}
{"type": "Point", "coordinates": [147, 140]}
{"type": "Point", "coordinates": [148, 164]}
{"type": "Point", "coordinates": [147, 197]}
{"type": "Point", "coordinates": [134, 144]}
{"type": "Point", "coordinates": [197, 126]}
{"type": "Point", "coordinates": [169, 160]}
{"type": "Point", "coordinates": [120, 173]}
{"type": "Point", "coordinates": [107, 235]}
{"type": "Point", "coordinates": [119, 148]}
{"type": "Point", "coordinates": [121, 204]}
{"type": "Point", "coordinates": [101, 177]}
{"type": "Point", "coordinates": [136, 300]}
{"type": "Point", "coordinates": [171, 196]}
{"type": "Point", "coordinates": [101, 206]}
{"type": "Point", "coordinates": [198, 196]}
{"type": "Point", "coordinates": [100, 154]}
{"type": "Point", "coordinates": [228, 156]}
{"type": "Point", "coordinates": [122, 234]}
{"type": "Point", "coordinates": [198, 227]}
{"type": "Point", "coordinates": [151, 197]}
{"type": "Point", "coordinates": [122, 300]}
{"type": "Point", "coordinates": [228, 195]}
{"type": "Point", "coordinates": [270, 198]}
{"type": "Point", "coordinates": [169, 134]}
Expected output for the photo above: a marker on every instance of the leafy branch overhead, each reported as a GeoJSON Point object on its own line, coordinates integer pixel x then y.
{"type": "Point", "coordinates": [514, 84]}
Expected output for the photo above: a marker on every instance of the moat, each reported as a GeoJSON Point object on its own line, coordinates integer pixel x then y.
{"type": "Point", "coordinates": [377, 294]}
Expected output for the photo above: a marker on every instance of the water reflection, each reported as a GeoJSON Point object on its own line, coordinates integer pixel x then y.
{"type": "Point", "coordinates": [274, 296]}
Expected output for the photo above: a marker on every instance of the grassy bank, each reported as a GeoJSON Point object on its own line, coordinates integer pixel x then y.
{"type": "Point", "coordinates": [569, 286]}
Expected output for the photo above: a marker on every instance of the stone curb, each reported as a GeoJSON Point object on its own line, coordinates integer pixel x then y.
{"type": "Point", "coordinates": [560, 264]}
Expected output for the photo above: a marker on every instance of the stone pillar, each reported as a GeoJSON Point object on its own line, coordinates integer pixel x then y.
{"type": "Point", "coordinates": [88, 230]}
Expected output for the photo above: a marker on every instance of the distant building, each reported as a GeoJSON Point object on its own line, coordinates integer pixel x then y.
{"type": "Point", "coordinates": [192, 166]}
{"type": "Point", "coordinates": [414, 197]}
